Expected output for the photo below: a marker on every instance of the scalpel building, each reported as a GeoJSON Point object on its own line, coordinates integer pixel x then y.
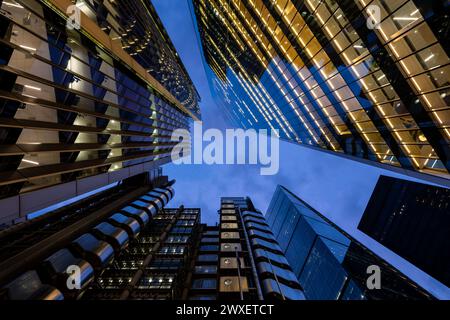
{"type": "Point", "coordinates": [90, 92]}
{"type": "Point", "coordinates": [362, 78]}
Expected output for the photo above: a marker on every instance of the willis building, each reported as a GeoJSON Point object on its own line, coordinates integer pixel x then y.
{"type": "Point", "coordinates": [367, 79]}
{"type": "Point", "coordinates": [85, 102]}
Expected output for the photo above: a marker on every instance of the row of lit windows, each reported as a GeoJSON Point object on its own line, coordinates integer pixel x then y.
{"type": "Point", "coordinates": [373, 82]}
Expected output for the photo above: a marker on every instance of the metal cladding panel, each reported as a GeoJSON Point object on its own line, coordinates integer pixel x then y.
{"type": "Point", "coordinates": [272, 287]}
{"type": "Point", "coordinates": [265, 267]}
{"type": "Point", "coordinates": [91, 183]}
{"type": "Point", "coordinates": [249, 215]}
{"type": "Point", "coordinates": [40, 199]}
{"type": "Point", "coordinates": [278, 258]}
{"type": "Point", "coordinates": [266, 244]}
{"type": "Point", "coordinates": [137, 169]}
{"type": "Point", "coordinates": [260, 234]}
{"type": "Point", "coordinates": [253, 225]}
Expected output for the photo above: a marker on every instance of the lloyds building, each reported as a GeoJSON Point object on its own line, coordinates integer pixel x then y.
{"type": "Point", "coordinates": [90, 92]}
{"type": "Point", "coordinates": [363, 78]}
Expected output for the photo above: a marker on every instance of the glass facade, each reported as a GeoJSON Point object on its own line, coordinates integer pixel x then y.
{"type": "Point", "coordinates": [316, 72]}
{"type": "Point", "coordinates": [103, 98]}
{"type": "Point", "coordinates": [329, 264]}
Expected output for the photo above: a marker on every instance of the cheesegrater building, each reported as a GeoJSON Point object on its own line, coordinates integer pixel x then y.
{"type": "Point", "coordinates": [363, 78]}
{"type": "Point", "coordinates": [90, 92]}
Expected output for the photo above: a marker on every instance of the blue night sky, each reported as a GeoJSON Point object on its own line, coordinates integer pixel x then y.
{"type": "Point", "coordinates": [337, 187]}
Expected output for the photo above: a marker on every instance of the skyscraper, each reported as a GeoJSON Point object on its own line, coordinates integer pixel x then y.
{"type": "Point", "coordinates": [240, 259]}
{"type": "Point", "coordinates": [361, 78]}
{"type": "Point", "coordinates": [411, 219]}
{"type": "Point", "coordinates": [329, 263]}
{"type": "Point", "coordinates": [90, 92]}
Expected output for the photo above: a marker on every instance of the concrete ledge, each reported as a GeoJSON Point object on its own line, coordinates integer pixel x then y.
{"type": "Point", "coordinates": [18, 207]}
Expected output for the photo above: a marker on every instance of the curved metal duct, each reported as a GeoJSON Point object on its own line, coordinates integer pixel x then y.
{"type": "Point", "coordinates": [139, 214]}
{"type": "Point", "coordinates": [28, 286]}
{"type": "Point", "coordinates": [129, 224]}
{"type": "Point", "coordinates": [272, 287]}
{"type": "Point", "coordinates": [115, 236]}
{"type": "Point", "coordinates": [54, 270]}
{"type": "Point", "coordinates": [97, 252]}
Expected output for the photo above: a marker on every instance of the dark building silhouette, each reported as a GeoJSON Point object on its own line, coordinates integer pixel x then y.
{"type": "Point", "coordinates": [413, 220]}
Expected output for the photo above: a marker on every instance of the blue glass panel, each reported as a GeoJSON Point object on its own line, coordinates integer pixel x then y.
{"type": "Point", "coordinates": [322, 277]}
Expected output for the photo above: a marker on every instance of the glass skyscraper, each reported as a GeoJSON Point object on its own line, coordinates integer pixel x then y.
{"type": "Point", "coordinates": [362, 78]}
{"type": "Point", "coordinates": [411, 219]}
{"type": "Point", "coordinates": [329, 263]}
{"type": "Point", "coordinates": [90, 92]}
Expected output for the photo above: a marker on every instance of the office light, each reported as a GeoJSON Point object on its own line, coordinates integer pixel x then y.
{"type": "Point", "coordinates": [429, 57]}
{"type": "Point", "coordinates": [31, 162]}
{"type": "Point", "coordinates": [28, 48]}
{"type": "Point", "coordinates": [32, 87]}
{"type": "Point", "coordinates": [405, 18]}
{"type": "Point", "coordinates": [10, 4]}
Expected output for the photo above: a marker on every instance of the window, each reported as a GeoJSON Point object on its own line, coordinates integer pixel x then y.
{"type": "Point", "coordinates": [185, 223]}
{"type": "Point", "coordinates": [228, 218]}
{"type": "Point", "coordinates": [172, 250]}
{"type": "Point", "coordinates": [156, 282]}
{"type": "Point", "coordinates": [209, 247]}
{"type": "Point", "coordinates": [211, 233]}
{"type": "Point", "coordinates": [171, 264]}
{"type": "Point", "coordinates": [205, 269]}
{"type": "Point", "coordinates": [204, 284]}
{"type": "Point", "coordinates": [177, 239]}
{"type": "Point", "coordinates": [188, 216]}
{"type": "Point", "coordinates": [181, 230]}
{"type": "Point", "coordinates": [228, 211]}
{"type": "Point", "coordinates": [210, 240]}
{"type": "Point", "coordinates": [230, 235]}
{"type": "Point", "coordinates": [229, 225]}
{"type": "Point", "coordinates": [208, 257]}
